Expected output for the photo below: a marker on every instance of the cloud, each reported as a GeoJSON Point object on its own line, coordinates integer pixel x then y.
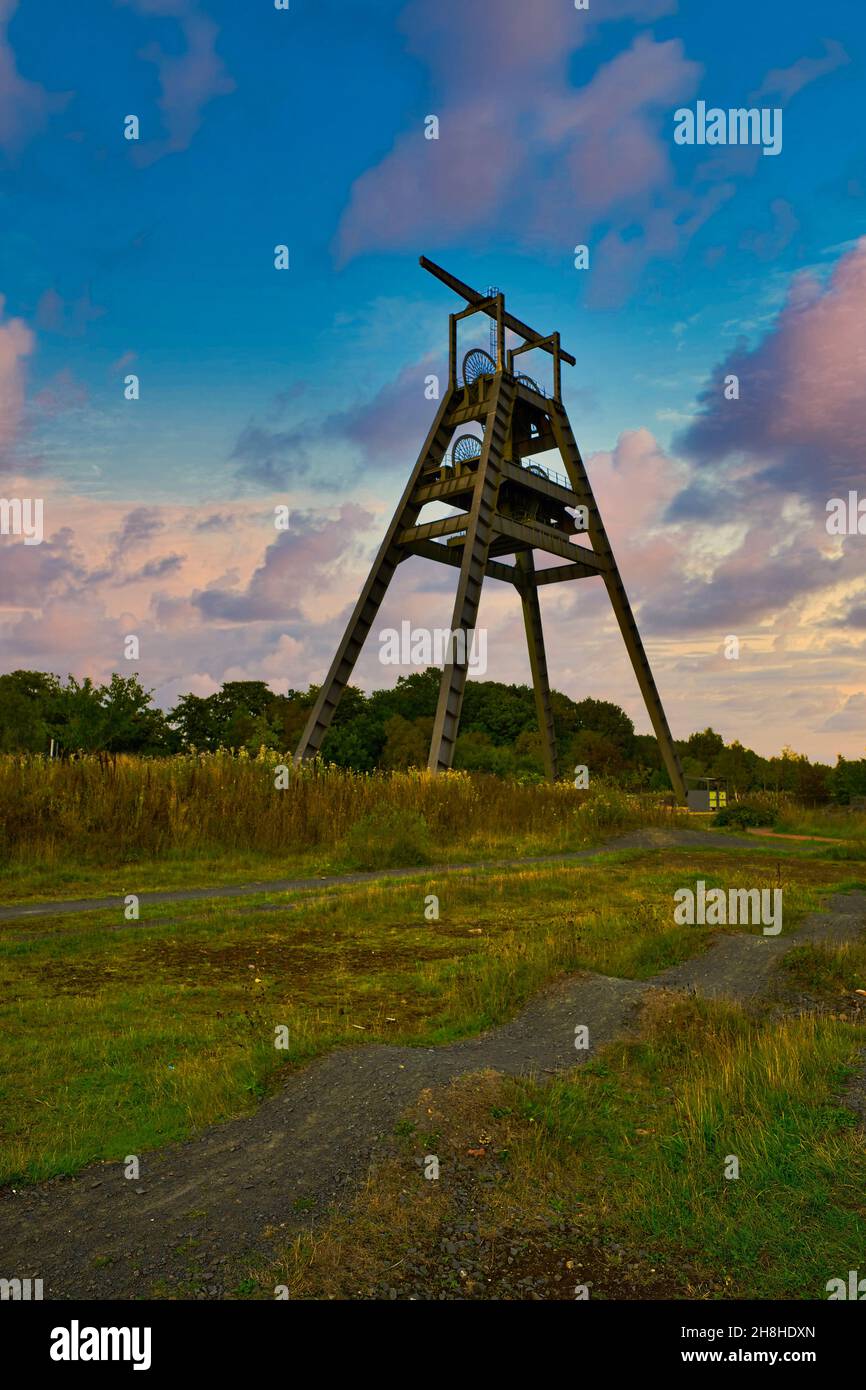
{"type": "Point", "coordinates": [16, 344]}
{"type": "Point", "coordinates": [445, 187]}
{"type": "Point", "coordinates": [315, 548]}
{"type": "Point", "coordinates": [389, 427]}
{"type": "Point", "coordinates": [68, 318]}
{"type": "Point", "coordinates": [801, 417]}
{"type": "Point", "coordinates": [451, 35]}
{"type": "Point", "coordinates": [32, 575]}
{"type": "Point", "coordinates": [218, 521]}
{"type": "Point", "coordinates": [753, 583]}
{"type": "Point", "coordinates": [139, 525]}
{"type": "Point", "coordinates": [379, 432]}
{"type": "Point", "coordinates": [272, 458]}
{"type": "Point", "coordinates": [157, 568]}
{"type": "Point", "coordinates": [24, 106]}
{"type": "Point", "coordinates": [851, 718]}
{"type": "Point", "coordinates": [188, 80]}
{"type": "Point", "coordinates": [121, 363]}
{"type": "Point", "coordinates": [769, 244]}
{"type": "Point", "coordinates": [784, 83]}
{"type": "Point", "coordinates": [518, 144]}
{"type": "Point", "coordinates": [61, 394]}
{"type": "Point", "coordinates": [701, 561]}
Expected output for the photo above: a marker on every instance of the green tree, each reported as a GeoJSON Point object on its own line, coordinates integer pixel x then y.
{"type": "Point", "coordinates": [598, 752]}
{"type": "Point", "coordinates": [113, 718]}
{"type": "Point", "coordinates": [604, 717]}
{"type": "Point", "coordinates": [703, 748]}
{"type": "Point", "coordinates": [502, 712]}
{"type": "Point", "coordinates": [407, 742]}
{"type": "Point", "coordinates": [357, 743]}
{"type": "Point", "coordinates": [848, 779]}
{"type": "Point", "coordinates": [195, 719]}
{"type": "Point", "coordinates": [27, 711]}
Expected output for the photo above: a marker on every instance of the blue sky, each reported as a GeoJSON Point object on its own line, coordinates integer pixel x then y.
{"type": "Point", "coordinates": [305, 127]}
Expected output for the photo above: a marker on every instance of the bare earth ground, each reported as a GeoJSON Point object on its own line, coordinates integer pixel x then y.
{"type": "Point", "coordinates": [244, 1186]}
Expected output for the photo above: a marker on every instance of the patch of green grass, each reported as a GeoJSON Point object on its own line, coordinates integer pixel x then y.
{"type": "Point", "coordinates": [387, 839]}
{"type": "Point", "coordinates": [832, 821]}
{"type": "Point", "coordinates": [92, 826]}
{"type": "Point", "coordinates": [632, 1155]}
{"type": "Point", "coordinates": [827, 970]}
{"type": "Point", "coordinates": [649, 1128]}
{"type": "Point", "coordinates": [117, 1041]}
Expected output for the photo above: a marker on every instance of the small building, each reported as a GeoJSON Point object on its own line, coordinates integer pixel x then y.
{"type": "Point", "coordinates": [710, 794]}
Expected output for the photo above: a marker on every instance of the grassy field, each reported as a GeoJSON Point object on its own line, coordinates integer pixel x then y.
{"type": "Point", "coordinates": [613, 1177]}
{"type": "Point", "coordinates": [835, 822]}
{"type": "Point", "coordinates": [116, 1037]}
{"type": "Point", "coordinates": [88, 827]}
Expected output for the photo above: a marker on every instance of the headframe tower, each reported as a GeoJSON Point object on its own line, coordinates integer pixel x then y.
{"type": "Point", "coordinates": [506, 505]}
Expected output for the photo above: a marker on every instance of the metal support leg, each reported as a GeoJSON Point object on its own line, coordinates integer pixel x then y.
{"type": "Point", "coordinates": [478, 535]}
{"type": "Point", "coordinates": [538, 661]}
{"type": "Point", "coordinates": [364, 614]}
{"type": "Point", "coordinates": [618, 597]}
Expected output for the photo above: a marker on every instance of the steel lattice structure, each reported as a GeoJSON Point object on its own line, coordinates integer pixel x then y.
{"type": "Point", "coordinates": [504, 507]}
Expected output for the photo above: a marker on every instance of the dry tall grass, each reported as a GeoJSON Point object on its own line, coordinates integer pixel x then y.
{"type": "Point", "coordinates": [134, 808]}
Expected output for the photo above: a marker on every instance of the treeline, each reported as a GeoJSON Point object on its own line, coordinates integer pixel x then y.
{"type": "Point", "coordinates": [391, 729]}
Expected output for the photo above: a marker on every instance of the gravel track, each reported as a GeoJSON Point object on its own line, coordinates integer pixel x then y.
{"type": "Point", "coordinates": [653, 838]}
{"type": "Point", "coordinates": [242, 1186]}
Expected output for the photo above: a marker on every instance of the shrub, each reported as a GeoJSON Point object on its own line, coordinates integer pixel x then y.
{"type": "Point", "coordinates": [387, 839]}
{"type": "Point", "coordinates": [744, 814]}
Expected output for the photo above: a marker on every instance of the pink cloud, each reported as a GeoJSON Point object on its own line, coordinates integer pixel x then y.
{"type": "Point", "coordinates": [434, 188]}
{"type": "Point", "coordinates": [188, 80]}
{"type": "Point", "coordinates": [802, 408]}
{"type": "Point", "coordinates": [526, 149]}
{"type": "Point", "coordinates": [634, 483]}
{"type": "Point", "coordinates": [319, 548]}
{"type": "Point", "coordinates": [16, 344]}
{"type": "Point", "coordinates": [454, 34]}
{"type": "Point", "coordinates": [62, 393]}
{"type": "Point", "coordinates": [24, 106]}
{"type": "Point", "coordinates": [786, 82]}
{"type": "Point", "coordinates": [69, 318]}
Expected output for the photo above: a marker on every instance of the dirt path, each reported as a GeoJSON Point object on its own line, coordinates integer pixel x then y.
{"type": "Point", "coordinates": [813, 839]}
{"type": "Point", "coordinates": [241, 1186]}
{"type": "Point", "coordinates": [653, 838]}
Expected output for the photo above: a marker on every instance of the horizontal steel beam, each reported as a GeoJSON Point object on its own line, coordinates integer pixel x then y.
{"type": "Point", "coordinates": [447, 555]}
{"type": "Point", "coordinates": [473, 297]}
{"type": "Point", "coordinates": [557, 573]}
{"type": "Point", "coordinates": [451, 486]}
{"type": "Point", "coordinates": [545, 538]}
{"type": "Point", "coordinates": [536, 482]}
{"type": "Point", "coordinates": [446, 526]}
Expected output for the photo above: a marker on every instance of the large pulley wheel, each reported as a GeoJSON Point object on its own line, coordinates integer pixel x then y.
{"type": "Point", "coordinates": [466, 448]}
{"type": "Point", "coordinates": [532, 384]}
{"type": "Point", "coordinates": [477, 363]}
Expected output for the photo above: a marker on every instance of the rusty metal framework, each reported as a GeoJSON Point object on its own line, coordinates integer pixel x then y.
{"type": "Point", "coordinates": [505, 505]}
